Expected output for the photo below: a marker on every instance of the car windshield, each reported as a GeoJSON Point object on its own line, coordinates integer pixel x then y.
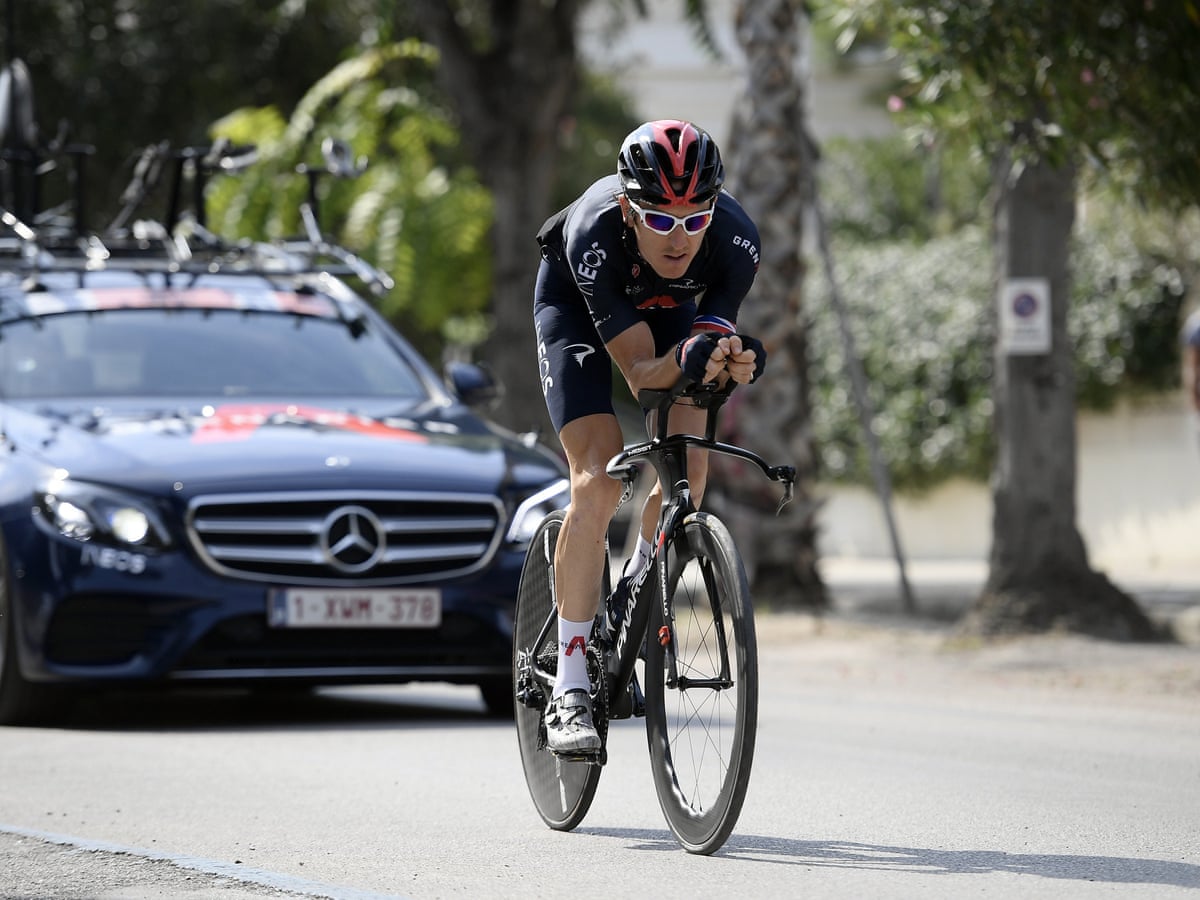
{"type": "Point", "coordinates": [199, 353]}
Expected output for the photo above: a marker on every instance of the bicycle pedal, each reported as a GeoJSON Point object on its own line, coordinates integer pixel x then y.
{"type": "Point", "coordinates": [595, 758]}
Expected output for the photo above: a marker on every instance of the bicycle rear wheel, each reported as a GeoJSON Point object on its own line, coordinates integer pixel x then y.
{"type": "Point", "coordinates": [701, 722]}
{"type": "Point", "coordinates": [562, 790]}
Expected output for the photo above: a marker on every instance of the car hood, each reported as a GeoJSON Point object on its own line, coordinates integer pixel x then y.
{"type": "Point", "coordinates": [265, 446]}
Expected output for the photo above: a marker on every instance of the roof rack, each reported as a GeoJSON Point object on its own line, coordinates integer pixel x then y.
{"type": "Point", "coordinates": [35, 241]}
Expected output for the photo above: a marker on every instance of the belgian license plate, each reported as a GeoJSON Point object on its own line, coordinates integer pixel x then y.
{"type": "Point", "coordinates": [350, 608]}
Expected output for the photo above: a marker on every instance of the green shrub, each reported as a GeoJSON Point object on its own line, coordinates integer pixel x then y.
{"type": "Point", "coordinates": [922, 318]}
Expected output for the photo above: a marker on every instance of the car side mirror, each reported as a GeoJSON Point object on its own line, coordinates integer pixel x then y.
{"type": "Point", "coordinates": [473, 384]}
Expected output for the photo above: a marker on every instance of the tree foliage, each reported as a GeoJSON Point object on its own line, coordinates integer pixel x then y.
{"type": "Point", "coordinates": [416, 212]}
{"type": "Point", "coordinates": [1110, 81]}
{"type": "Point", "coordinates": [920, 303]}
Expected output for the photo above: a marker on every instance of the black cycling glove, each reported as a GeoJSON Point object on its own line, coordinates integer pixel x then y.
{"type": "Point", "coordinates": [760, 354]}
{"type": "Point", "coordinates": [692, 354]}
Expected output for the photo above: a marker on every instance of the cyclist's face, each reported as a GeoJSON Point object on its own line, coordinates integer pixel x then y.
{"type": "Point", "coordinates": [668, 254]}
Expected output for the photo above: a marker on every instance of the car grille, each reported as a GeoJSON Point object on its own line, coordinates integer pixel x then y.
{"type": "Point", "coordinates": [336, 538]}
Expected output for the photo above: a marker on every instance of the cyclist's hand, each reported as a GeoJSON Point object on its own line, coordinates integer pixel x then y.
{"type": "Point", "coordinates": [747, 358]}
{"type": "Point", "coordinates": [694, 356]}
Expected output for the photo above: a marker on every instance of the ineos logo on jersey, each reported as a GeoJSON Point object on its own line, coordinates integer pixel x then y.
{"type": "Point", "coordinates": [543, 364]}
{"type": "Point", "coordinates": [588, 267]}
{"type": "Point", "coordinates": [580, 352]}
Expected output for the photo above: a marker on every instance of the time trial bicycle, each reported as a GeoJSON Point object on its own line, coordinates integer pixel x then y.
{"type": "Point", "coordinates": [686, 622]}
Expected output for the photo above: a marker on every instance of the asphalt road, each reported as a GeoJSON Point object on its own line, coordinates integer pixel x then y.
{"type": "Point", "coordinates": [889, 765]}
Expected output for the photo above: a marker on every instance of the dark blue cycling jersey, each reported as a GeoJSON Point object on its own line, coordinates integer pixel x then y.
{"type": "Point", "coordinates": [593, 284]}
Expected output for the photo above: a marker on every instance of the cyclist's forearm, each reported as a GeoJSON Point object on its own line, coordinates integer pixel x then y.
{"type": "Point", "coordinates": [633, 352]}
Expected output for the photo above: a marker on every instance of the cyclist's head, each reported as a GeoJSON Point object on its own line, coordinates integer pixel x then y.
{"type": "Point", "coordinates": [670, 162]}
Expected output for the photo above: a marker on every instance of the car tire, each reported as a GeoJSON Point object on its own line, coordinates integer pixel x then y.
{"type": "Point", "coordinates": [498, 696]}
{"type": "Point", "coordinates": [21, 701]}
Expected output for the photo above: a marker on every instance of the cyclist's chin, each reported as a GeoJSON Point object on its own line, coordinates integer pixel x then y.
{"type": "Point", "coordinates": [671, 267]}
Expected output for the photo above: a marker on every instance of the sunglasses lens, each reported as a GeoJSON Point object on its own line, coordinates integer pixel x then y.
{"type": "Point", "coordinates": [697, 223]}
{"type": "Point", "coordinates": [660, 222]}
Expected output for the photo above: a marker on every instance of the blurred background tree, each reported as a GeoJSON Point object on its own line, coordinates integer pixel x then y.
{"type": "Point", "coordinates": [912, 232]}
{"type": "Point", "coordinates": [417, 211]}
{"type": "Point", "coordinates": [1051, 93]}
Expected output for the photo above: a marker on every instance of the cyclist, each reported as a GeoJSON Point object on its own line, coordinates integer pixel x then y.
{"type": "Point", "coordinates": [647, 270]}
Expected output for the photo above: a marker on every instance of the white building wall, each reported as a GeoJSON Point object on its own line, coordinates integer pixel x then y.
{"type": "Point", "coordinates": [1137, 501]}
{"type": "Point", "coordinates": [660, 63]}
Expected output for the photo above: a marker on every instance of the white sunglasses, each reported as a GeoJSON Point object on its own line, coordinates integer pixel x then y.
{"type": "Point", "coordinates": [664, 223]}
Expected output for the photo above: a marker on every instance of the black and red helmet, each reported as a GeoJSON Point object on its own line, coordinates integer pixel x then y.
{"type": "Point", "coordinates": [668, 162]}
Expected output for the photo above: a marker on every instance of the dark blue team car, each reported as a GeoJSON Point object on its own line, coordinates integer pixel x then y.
{"type": "Point", "coordinates": [228, 468]}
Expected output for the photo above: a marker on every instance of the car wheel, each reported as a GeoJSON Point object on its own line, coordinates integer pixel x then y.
{"type": "Point", "coordinates": [498, 696]}
{"type": "Point", "coordinates": [21, 702]}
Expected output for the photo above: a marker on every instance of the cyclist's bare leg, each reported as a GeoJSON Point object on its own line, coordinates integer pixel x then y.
{"type": "Point", "coordinates": [589, 442]}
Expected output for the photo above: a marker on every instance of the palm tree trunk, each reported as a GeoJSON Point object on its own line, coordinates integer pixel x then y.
{"type": "Point", "coordinates": [769, 160]}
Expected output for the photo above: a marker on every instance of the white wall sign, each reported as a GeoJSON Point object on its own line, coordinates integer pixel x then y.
{"type": "Point", "coordinates": [1025, 315]}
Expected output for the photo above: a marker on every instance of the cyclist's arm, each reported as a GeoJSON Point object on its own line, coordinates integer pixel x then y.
{"type": "Point", "coordinates": [633, 352]}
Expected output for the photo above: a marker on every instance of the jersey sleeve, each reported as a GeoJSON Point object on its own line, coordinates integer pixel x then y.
{"type": "Point", "coordinates": [732, 267]}
{"type": "Point", "coordinates": [594, 254]}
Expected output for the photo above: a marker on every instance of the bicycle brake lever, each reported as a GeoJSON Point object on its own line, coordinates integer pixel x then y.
{"type": "Point", "coordinates": [786, 474]}
{"type": "Point", "coordinates": [628, 475]}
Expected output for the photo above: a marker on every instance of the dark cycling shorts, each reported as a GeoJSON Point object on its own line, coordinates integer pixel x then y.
{"type": "Point", "coordinates": [575, 369]}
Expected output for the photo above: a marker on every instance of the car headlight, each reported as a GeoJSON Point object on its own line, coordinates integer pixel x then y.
{"type": "Point", "coordinates": [534, 508]}
{"type": "Point", "coordinates": [87, 512]}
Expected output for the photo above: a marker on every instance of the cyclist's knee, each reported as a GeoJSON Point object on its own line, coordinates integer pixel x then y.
{"type": "Point", "coordinates": [594, 493]}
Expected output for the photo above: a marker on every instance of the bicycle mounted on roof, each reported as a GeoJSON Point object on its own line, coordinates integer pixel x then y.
{"type": "Point", "coordinates": [34, 240]}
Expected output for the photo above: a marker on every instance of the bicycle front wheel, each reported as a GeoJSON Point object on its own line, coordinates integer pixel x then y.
{"type": "Point", "coordinates": [702, 686]}
{"type": "Point", "coordinates": [562, 790]}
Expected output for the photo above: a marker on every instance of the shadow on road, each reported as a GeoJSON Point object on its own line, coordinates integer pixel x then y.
{"type": "Point", "coordinates": [267, 709]}
{"type": "Point", "coordinates": [852, 855]}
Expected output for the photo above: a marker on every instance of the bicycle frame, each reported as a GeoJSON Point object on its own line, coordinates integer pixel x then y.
{"type": "Point", "coordinates": [667, 453]}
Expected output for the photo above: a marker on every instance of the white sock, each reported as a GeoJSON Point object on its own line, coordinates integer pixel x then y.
{"type": "Point", "coordinates": [572, 656]}
{"type": "Point", "coordinates": [641, 557]}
